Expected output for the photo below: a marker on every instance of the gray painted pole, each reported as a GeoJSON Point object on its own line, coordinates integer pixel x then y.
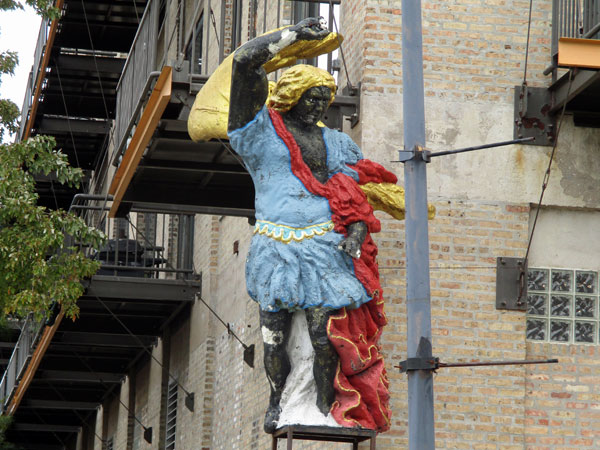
{"type": "Point", "coordinates": [418, 305]}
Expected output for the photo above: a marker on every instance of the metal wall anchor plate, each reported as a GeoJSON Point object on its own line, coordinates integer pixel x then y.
{"type": "Point", "coordinates": [511, 284]}
{"type": "Point", "coordinates": [532, 115]}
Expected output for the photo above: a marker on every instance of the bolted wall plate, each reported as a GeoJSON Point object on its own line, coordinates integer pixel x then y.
{"type": "Point", "coordinates": [532, 115]}
{"type": "Point", "coordinates": [511, 284]}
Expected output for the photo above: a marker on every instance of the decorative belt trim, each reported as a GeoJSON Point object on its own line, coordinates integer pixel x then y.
{"type": "Point", "coordinates": [286, 234]}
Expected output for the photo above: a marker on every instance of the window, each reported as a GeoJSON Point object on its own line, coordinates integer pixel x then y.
{"type": "Point", "coordinates": [302, 10]}
{"type": "Point", "coordinates": [171, 416]}
{"type": "Point", "coordinates": [236, 33]}
{"type": "Point", "coordinates": [193, 53]}
{"type": "Point", "coordinates": [562, 306]}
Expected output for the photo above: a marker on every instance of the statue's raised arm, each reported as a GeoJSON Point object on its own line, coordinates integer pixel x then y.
{"type": "Point", "coordinates": [249, 85]}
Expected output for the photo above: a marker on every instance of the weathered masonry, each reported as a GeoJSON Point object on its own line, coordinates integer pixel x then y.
{"type": "Point", "coordinates": [149, 366]}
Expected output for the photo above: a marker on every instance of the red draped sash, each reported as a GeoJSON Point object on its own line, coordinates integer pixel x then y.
{"type": "Point", "coordinates": [361, 384]}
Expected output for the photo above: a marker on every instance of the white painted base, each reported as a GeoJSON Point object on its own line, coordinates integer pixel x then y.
{"type": "Point", "coordinates": [298, 401]}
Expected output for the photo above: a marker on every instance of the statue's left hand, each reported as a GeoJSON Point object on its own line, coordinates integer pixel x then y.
{"type": "Point", "coordinates": [351, 245]}
{"type": "Point", "coordinates": [357, 232]}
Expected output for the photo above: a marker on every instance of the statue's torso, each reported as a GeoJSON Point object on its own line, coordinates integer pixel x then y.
{"type": "Point", "coordinates": [313, 149]}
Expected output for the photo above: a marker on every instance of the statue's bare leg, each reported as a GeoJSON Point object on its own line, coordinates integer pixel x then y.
{"type": "Point", "coordinates": [275, 327]}
{"type": "Point", "coordinates": [326, 358]}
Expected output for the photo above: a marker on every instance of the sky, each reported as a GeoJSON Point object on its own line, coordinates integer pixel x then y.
{"type": "Point", "coordinates": [18, 32]}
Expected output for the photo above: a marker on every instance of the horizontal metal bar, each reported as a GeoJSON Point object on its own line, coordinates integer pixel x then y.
{"type": "Point", "coordinates": [499, 363]}
{"type": "Point", "coordinates": [43, 427]}
{"type": "Point", "coordinates": [188, 166]}
{"type": "Point", "coordinates": [335, 2]}
{"type": "Point", "coordinates": [149, 269]}
{"type": "Point", "coordinates": [88, 207]}
{"type": "Point", "coordinates": [80, 377]}
{"type": "Point", "coordinates": [481, 147]}
{"type": "Point", "coordinates": [60, 404]}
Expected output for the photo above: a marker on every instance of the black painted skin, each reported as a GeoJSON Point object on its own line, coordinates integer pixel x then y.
{"type": "Point", "coordinates": [249, 90]}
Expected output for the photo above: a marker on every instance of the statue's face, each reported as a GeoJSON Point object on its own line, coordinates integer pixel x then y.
{"type": "Point", "coordinates": [311, 107]}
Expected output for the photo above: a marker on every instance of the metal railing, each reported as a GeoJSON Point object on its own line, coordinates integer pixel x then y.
{"type": "Point", "coordinates": [40, 48]}
{"type": "Point", "coordinates": [574, 19]}
{"type": "Point", "coordinates": [145, 244]}
{"type": "Point", "coordinates": [22, 353]}
{"type": "Point", "coordinates": [138, 73]}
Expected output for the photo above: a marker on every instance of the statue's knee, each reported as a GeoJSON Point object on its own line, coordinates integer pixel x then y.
{"type": "Point", "coordinates": [274, 338]}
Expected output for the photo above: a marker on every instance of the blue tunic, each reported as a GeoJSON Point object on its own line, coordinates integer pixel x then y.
{"type": "Point", "coordinates": [294, 261]}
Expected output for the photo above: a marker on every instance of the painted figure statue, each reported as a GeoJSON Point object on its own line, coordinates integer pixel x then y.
{"type": "Point", "coordinates": [312, 248]}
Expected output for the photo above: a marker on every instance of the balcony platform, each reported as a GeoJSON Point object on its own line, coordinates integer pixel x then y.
{"type": "Point", "coordinates": [120, 320]}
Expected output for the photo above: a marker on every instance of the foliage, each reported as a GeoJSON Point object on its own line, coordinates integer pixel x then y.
{"type": "Point", "coordinates": [45, 8]}
{"type": "Point", "coordinates": [37, 265]}
{"type": "Point", "coordinates": [5, 422]}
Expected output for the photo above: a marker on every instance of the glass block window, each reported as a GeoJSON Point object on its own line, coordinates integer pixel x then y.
{"type": "Point", "coordinates": [562, 306]}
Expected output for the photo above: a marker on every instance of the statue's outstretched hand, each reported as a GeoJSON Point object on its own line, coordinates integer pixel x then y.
{"type": "Point", "coordinates": [311, 29]}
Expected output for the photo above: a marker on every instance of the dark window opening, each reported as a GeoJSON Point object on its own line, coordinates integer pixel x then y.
{"type": "Point", "coordinates": [236, 28]}
{"type": "Point", "coordinates": [193, 52]}
{"type": "Point", "coordinates": [162, 10]}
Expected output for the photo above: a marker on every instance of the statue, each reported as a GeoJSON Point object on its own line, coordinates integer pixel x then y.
{"type": "Point", "coordinates": [312, 248]}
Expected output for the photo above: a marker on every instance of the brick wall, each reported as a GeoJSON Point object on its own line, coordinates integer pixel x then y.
{"type": "Point", "coordinates": [474, 49]}
{"type": "Point", "coordinates": [562, 406]}
{"type": "Point", "coordinates": [474, 408]}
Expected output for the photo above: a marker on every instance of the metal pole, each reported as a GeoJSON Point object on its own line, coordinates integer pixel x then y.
{"type": "Point", "coordinates": [418, 304]}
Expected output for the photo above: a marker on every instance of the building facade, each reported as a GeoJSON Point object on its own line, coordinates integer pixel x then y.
{"type": "Point", "coordinates": [174, 318]}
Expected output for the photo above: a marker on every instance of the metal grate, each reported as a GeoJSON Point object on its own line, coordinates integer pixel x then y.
{"type": "Point", "coordinates": [171, 426]}
{"type": "Point", "coordinates": [109, 444]}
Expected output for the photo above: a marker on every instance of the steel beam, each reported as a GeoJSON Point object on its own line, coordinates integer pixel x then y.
{"type": "Point", "coordinates": [191, 209]}
{"type": "Point", "coordinates": [90, 64]}
{"type": "Point", "coordinates": [43, 446]}
{"type": "Point", "coordinates": [67, 125]}
{"type": "Point", "coordinates": [79, 377]}
{"type": "Point", "coordinates": [45, 428]}
{"type": "Point", "coordinates": [59, 404]}
{"type": "Point", "coordinates": [142, 289]}
{"type": "Point", "coordinates": [103, 339]}
{"type": "Point", "coordinates": [562, 92]}
{"type": "Point", "coordinates": [188, 166]}
{"type": "Point", "coordinates": [178, 193]}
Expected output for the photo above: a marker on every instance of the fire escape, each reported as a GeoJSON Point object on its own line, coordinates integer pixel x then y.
{"type": "Point", "coordinates": [575, 84]}
{"type": "Point", "coordinates": [119, 110]}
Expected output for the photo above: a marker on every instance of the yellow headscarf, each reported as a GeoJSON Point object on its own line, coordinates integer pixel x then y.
{"type": "Point", "coordinates": [296, 81]}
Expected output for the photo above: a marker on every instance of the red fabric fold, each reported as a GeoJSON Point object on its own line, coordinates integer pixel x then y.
{"type": "Point", "coordinates": [361, 384]}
